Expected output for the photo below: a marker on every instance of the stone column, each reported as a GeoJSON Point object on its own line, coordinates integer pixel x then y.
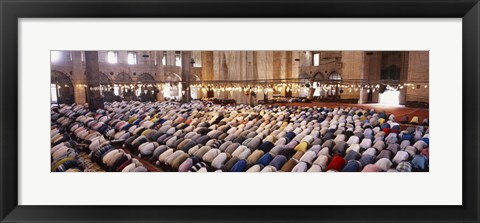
{"type": "Point", "coordinates": [277, 64]}
{"type": "Point", "coordinates": [373, 64]}
{"type": "Point", "coordinates": [207, 65]}
{"type": "Point", "coordinates": [93, 80]}
{"type": "Point", "coordinates": [78, 78]}
{"type": "Point", "coordinates": [186, 66]}
{"type": "Point", "coordinates": [404, 58]}
{"type": "Point", "coordinates": [353, 68]}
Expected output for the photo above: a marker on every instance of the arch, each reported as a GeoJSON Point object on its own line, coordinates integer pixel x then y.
{"type": "Point", "coordinates": [334, 91]}
{"type": "Point", "coordinates": [319, 76]}
{"type": "Point", "coordinates": [334, 76]}
{"type": "Point", "coordinates": [104, 79]}
{"type": "Point", "coordinates": [61, 88]}
{"type": "Point", "coordinates": [146, 78]}
{"type": "Point", "coordinates": [172, 90]}
{"type": "Point", "coordinates": [195, 92]}
{"type": "Point", "coordinates": [105, 83]}
{"type": "Point", "coordinates": [194, 77]}
{"type": "Point", "coordinates": [172, 77]}
{"type": "Point", "coordinates": [59, 77]}
{"type": "Point", "coordinates": [123, 78]}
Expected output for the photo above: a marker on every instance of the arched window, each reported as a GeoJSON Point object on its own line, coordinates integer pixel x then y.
{"type": "Point", "coordinates": [335, 76]}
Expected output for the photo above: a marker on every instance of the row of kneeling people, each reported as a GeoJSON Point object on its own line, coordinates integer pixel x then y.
{"type": "Point", "coordinates": [69, 138]}
{"type": "Point", "coordinates": [181, 139]}
{"type": "Point", "coordinates": [65, 158]}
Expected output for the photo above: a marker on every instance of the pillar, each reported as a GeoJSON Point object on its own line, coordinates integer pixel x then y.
{"type": "Point", "coordinates": [186, 67]}
{"type": "Point", "coordinates": [404, 58]}
{"type": "Point", "coordinates": [95, 100]}
{"type": "Point", "coordinates": [78, 78]}
{"type": "Point", "coordinates": [353, 68]}
{"type": "Point", "coordinates": [372, 72]}
{"type": "Point", "coordinates": [207, 65]}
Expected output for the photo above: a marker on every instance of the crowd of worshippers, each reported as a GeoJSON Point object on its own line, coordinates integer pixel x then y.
{"type": "Point", "coordinates": [204, 137]}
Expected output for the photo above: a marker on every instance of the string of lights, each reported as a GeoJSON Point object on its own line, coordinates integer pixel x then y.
{"type": "Point", "coordinates": [270, 85]}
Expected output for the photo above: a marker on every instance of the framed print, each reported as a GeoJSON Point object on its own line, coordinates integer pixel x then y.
{"type": "Point", "coordinates": [311, 111]}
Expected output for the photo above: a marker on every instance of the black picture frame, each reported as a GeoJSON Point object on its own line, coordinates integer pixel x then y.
{"type": "Point", "coordinates": [12, 10]}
